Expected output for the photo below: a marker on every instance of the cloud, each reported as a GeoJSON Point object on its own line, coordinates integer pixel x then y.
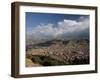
{"type": "Point", "coordinates": [65, 29]}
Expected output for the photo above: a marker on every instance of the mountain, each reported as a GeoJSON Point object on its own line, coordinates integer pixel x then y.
{"type": "Point", "coordinates": [63, 52]}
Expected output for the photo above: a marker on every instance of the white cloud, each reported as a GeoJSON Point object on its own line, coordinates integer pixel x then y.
{"type": "Point", "coordinates": [67, 28]}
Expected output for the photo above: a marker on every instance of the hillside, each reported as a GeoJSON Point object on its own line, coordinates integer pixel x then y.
{"type": "Point", "coordinates": [58, 52]}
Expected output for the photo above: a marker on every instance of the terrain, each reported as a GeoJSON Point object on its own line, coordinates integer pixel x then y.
{"type": "Point", "coordinates": [57, 52]}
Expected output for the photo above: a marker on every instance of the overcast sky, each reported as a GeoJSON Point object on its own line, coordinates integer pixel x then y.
{"type": "Point", "coordinates": [47, 26]}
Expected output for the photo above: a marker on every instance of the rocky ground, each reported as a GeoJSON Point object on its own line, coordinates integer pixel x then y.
{"type": "Point", "coordinates": [58, 52]}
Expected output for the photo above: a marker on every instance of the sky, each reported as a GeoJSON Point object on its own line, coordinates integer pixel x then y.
{"type": "Point", "coordinates": [48, 26]}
